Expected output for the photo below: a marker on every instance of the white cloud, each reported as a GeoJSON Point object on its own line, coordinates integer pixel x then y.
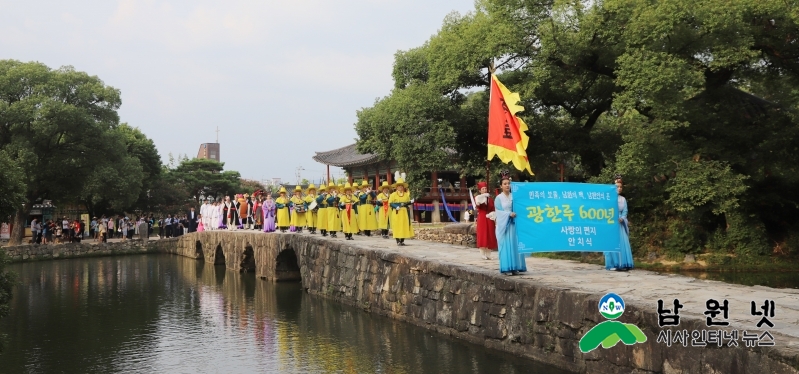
{"type": "Point", "coordinates": [190, 25]}
{"type": "Point", "coordinates": [333, 70]}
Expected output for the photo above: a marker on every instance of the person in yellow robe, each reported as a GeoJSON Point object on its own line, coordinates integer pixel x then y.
{"type": "Point", "coordinates": [333, 215]}
{"type": "Point", "coordinates": [383, 210]}
{"type": "Point", "coordinates": [310, 215]}
{"type": "Point", "coordinates": [367, 220]}
{"type": "Point", "coordinates": [321, 210]}
{"type": "Point", "coordinates": [298, 208]}
{"type": "Point", "coordinates": [341, 220]}
{"type": "Point", "coordinates": [356, 192]}
{"type": "Point", "coordinates": [282, 204]}
{"type": "Point", "coordinates": [349, 208]}
{"type": "Point", "coordinates": [401, 206]}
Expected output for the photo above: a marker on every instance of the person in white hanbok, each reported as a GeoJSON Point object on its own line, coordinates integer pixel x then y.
{"type": "Point", "coordinates": [204, 213]}
{"type": "Point", "coordinates": [208, 217]}
{"type": "Point", "coordinates": [215, 212]}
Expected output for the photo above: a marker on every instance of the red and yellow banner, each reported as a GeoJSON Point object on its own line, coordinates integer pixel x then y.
{"type": "Point", "coordinates": [506, 137]}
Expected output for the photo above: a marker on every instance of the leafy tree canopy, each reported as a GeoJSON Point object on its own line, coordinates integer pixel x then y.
{"type": "Point", "coordinates": [203, 176]}
{"type": "Point", "coordinates": [12, 190]}
{"type": "Point", "coordinates": [693, 102]}
{"type": "Point", "coordinates": [116, 182]}
{"type": "Point", "coordinates": [52, 123]}
{"type": "Point", "coordinates": [60, 139]}
{"type": "Point", "coordinates": [250, 186]}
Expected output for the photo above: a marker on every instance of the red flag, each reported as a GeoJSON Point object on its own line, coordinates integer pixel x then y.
{"type": "Point", "coordinates": [506, 137]}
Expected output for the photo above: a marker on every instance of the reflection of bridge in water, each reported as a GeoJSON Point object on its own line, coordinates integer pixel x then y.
{"type": "Point", "coordinates": [540, 315]}
{"type": "Point", "coordinates": [309, 334]}
{"type": "Point", "coordinates": [165, 314]}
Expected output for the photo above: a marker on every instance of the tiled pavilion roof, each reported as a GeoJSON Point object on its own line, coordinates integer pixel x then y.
{"type": "Point", "coordinates": [345, 157]}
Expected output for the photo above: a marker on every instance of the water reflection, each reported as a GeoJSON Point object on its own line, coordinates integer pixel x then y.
{"type": "Point", "coordinates": [173, 314]}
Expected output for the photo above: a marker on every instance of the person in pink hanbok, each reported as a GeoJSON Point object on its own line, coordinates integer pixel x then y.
{"type": "Point", "coordinates": [269, 209]}
{"type": "Point", "coordinates": [200, 226]}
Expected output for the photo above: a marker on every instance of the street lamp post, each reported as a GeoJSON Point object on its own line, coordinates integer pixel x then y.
{"type": "Point", "coordinates": [299, 174]}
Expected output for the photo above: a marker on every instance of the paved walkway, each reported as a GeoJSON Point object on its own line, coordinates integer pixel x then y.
{"type": "Point", "coordinates": [640, 287]}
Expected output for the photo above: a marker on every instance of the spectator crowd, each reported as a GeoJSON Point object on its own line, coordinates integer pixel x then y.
{"type": "Point", "coordinates": [64, 230]}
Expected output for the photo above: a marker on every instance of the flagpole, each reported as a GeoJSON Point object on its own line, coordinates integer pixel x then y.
{"type": "Point", "coordinates": [488, 174]}
{"type": "Point", "coordinates": [490, 93]}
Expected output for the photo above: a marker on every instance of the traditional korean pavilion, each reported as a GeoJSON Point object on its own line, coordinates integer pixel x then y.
{"type": "Point", "coordinates": [445, 185]}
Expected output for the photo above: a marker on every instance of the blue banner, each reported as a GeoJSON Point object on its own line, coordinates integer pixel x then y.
{"type": "Point", "coordinates": [559, 216]}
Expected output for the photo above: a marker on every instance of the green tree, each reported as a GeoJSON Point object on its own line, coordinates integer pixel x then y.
{"type": "Point", "coordinates": [166, 195]}
{"type": "Point", "coordinates": [695, 103]}
{"type": "Point", "coordinates": [116, 183]}
{"type": "Point", "coordinates": [203, 176]}
{"type": "Point", "coordinates": [12, 190]}
{"type": "Point", "coordinates": [51, 122]}
{"type": "Point", "coordinates": [12, 193]}
{"type": "Point", "coordinates": [129, 170]}
{"type": "Point", "coordinates": [435, 118]}
{"type": "Point", "coordinates": [143, 149]}
{"type": "Point", "coordinates": [250, 186]}
{"type": "Point", "coordinates": [412, 126]}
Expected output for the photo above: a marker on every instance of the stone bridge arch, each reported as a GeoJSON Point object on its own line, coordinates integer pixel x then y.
{"type": "Point", "coordinates": [218, 256]}
{"type": "Point", "coordinates": [247, 260]}
{"type": "Point", "coordinates": [278, 257]}
{"type": "Point", "coordinates": [287, 266]}
{"type": "Point", "coordinates": [270, 256]}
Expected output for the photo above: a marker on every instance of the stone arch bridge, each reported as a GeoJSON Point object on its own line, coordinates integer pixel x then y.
{"type": "Point", "coordinates": [272, 257]}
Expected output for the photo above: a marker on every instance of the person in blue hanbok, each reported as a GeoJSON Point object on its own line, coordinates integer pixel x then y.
{"type": "Point", "coordinates": [510, 261]}
{"type": "Point", "coordinates": [623, 260]}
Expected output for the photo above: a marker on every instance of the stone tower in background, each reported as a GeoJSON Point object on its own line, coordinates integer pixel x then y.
{"type": "Point", "coordinates": [209, 151]}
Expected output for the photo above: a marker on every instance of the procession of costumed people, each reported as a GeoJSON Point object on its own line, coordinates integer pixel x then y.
{"type": "Point", "coordinates": [356, 209]}
{"type": "Point", "coordinates": [351, 209]}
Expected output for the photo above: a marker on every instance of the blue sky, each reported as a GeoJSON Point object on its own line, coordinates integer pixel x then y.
{"type": "Point", "coordinates": [281, 79]}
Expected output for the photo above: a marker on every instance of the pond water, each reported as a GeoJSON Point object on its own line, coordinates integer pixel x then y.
{"type": "Point", "coordinates": [170, 314]}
